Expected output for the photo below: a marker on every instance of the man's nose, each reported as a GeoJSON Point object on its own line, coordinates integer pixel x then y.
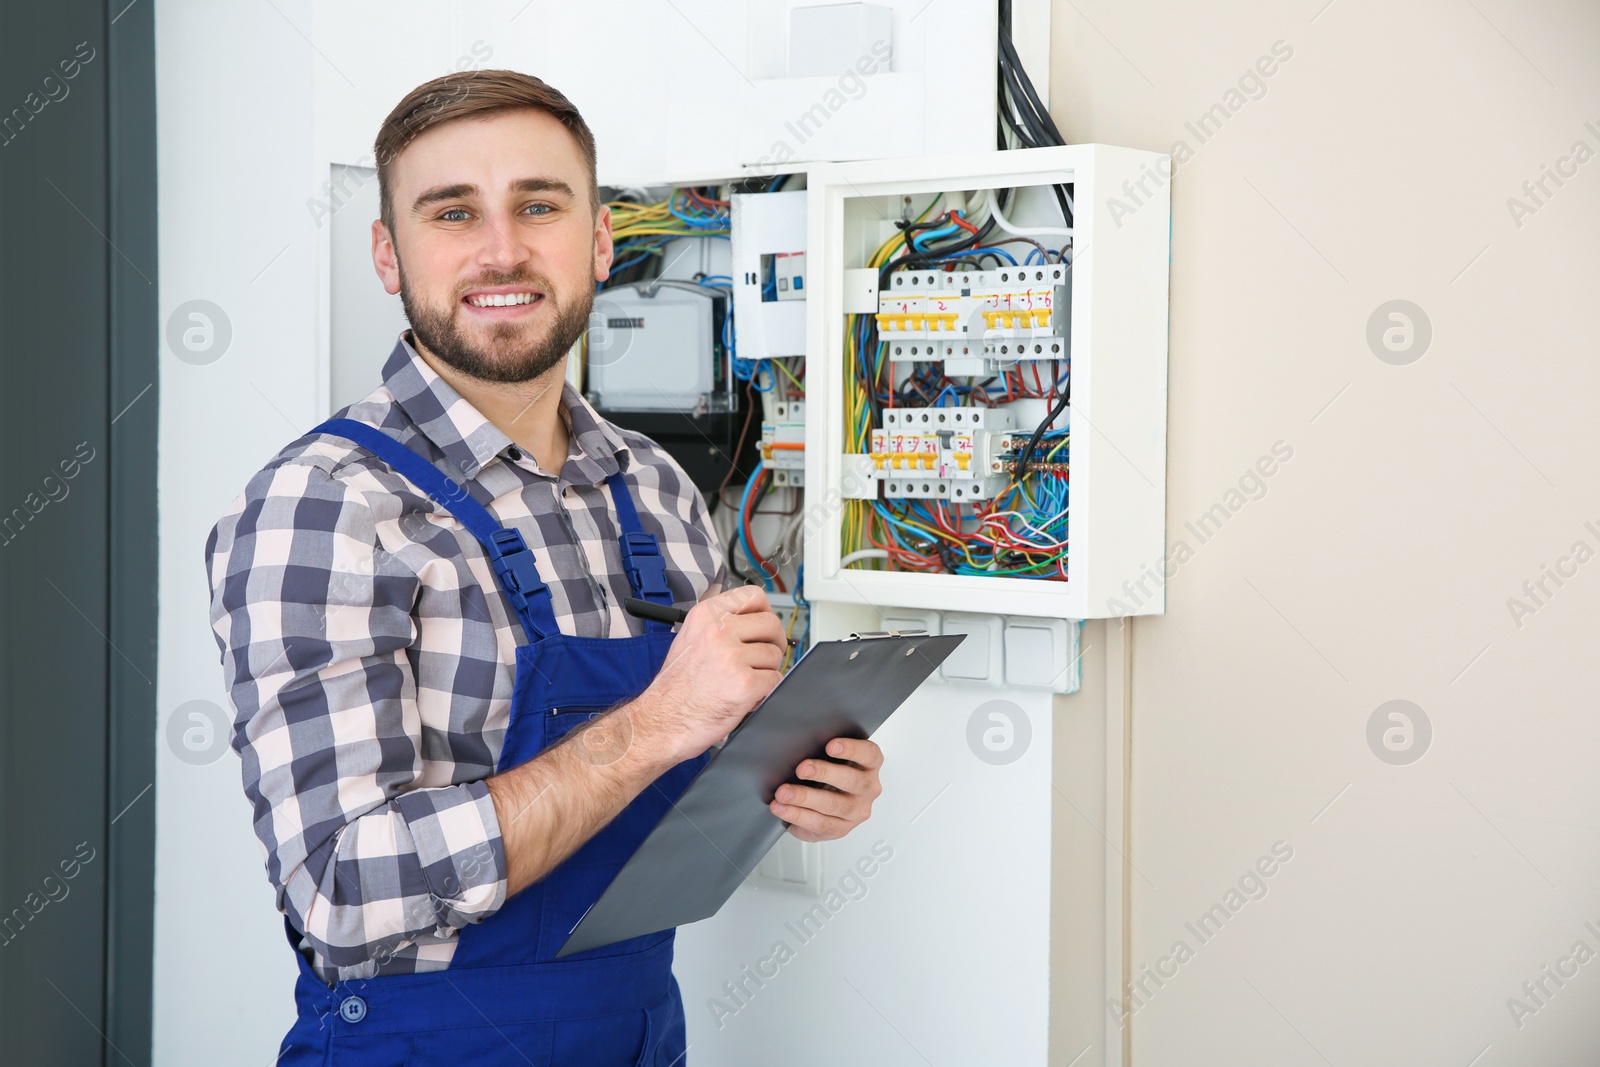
{"type": "Point", "coordinates": [501, 247]}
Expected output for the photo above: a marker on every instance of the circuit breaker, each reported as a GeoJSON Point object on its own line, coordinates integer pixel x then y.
{"type": "Point", "coordinates": [975, 321]}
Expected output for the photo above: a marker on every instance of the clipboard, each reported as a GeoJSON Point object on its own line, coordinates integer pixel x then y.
{"type": "Point", "coordinates": [721, 828]}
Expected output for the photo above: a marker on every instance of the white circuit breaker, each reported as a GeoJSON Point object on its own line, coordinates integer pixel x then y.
{"type": "Point", "coordinates": [783, 443]}
{"type": "Point", "coordinates": [975, 321]}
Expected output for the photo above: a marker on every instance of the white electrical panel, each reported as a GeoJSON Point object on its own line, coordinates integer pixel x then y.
{"type": "Point", "coordinates": [987, 430]}
{"type": "Point", "coordinates": [959, 368]}
{"type": "Point", "coordinates": [769, 274]}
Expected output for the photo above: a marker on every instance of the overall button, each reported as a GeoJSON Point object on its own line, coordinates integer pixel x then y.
{"type": "Point", "coordinates": [353, 1009]}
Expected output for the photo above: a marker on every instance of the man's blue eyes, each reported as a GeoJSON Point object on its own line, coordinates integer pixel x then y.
{"type": "Point", "coordinates": [461, 214]}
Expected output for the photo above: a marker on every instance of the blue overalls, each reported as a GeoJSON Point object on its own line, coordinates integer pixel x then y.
{"type": "Point", "coordinates": [505, 999]}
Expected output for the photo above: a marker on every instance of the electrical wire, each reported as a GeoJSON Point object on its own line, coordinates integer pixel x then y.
{"type": "Point", "coordinates": [1021, 108]}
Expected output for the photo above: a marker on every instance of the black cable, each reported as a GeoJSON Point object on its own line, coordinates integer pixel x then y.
{"type": "Point", "coordinates": [1014, 61]}
{"type": "Point", "coordinates": [1031, 123]}
{"type": "Point", "coordinates": [1041, 131]}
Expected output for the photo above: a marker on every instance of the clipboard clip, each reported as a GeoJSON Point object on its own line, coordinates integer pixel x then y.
{"type": "Point", "coordinates": [872, 635]}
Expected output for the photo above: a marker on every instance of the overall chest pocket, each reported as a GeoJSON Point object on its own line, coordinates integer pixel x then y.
{"type": "Point", "coordinates": [560, 721]}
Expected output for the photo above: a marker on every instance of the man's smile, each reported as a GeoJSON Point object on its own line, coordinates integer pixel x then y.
{"type": "Point", "coordinates": [502, 301]}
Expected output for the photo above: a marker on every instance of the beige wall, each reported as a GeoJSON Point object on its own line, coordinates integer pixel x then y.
{"type": "Point", "coordinates": [1379, 562]}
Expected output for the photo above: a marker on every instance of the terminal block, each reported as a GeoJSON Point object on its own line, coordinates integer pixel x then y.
{"type": "Point", "coordinates": [783, 443]}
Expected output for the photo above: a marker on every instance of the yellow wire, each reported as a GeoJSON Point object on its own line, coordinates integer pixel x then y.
{"type": "Point", "coordinates": [794, 613]}
{"type": "Point", "coordinates": [859, 518]}
{"type": "Point", "coordinates": [786, 370]}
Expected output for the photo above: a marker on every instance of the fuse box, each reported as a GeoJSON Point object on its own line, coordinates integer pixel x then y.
{"type": "Point", "coordinates": [987, 423]}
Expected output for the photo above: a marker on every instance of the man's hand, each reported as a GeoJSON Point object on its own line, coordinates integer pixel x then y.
{"type": "Point", "coordinates": [724, 660]}
{"type": "Point", "coordinates": [843, 799]}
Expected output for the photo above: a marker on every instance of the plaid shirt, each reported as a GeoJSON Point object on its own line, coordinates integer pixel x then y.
{"type": "Point", "coordinates": [370, 655]}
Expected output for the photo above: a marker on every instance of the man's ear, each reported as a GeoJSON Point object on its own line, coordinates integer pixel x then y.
{"type": "Point", "coordinates": [605, 248]}
{"type": "Point", "coordinates": [385, 260]}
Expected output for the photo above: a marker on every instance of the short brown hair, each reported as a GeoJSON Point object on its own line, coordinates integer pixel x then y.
{"type": "Point", "coordinates": [467, 95]}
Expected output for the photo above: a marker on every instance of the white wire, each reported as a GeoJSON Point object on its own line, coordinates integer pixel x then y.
{"type": "Point", "coordinates": [863, 553]}
{"type": "Point", "coordinates": [1036, 531]}
{"type": "Point", "coordinates": [1024, 231]}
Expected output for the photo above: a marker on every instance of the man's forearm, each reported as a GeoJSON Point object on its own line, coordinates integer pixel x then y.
{"type": "Point", "coordinates": [551, 805]}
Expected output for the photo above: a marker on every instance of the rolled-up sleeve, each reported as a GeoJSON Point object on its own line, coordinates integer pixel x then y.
{"type": "Point", "coordinates": [315, 623]}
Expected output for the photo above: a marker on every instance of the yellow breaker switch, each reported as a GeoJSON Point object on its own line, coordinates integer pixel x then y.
{"type": "Point", "coordinates": [879, 448]}
{"type": "Point", "coordinates": [961, 450]}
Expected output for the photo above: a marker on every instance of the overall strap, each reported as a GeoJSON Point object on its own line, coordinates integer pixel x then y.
{"type": "Point", "coordinates": [641, 553]}
{"type": "Point", "coordinates": [509, 556]}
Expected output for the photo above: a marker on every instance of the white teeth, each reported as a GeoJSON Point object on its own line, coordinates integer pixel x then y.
{"type": "Point", "coordinates": [497, 300]}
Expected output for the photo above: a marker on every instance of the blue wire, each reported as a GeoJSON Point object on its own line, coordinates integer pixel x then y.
{"type": "Point", "coordinates": [711, 221]}
{"type": "Point", "coordinates": [1002, 253]}
{"type": "Point", "coordinates": [943, 231]}
{"type": "Point", "coordinates": [744, 531]}
{"type": "Point", "coordinates": [640, 258]}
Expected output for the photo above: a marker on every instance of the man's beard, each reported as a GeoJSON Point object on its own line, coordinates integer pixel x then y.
{"type": "Point", "coordinates": [509, 356]}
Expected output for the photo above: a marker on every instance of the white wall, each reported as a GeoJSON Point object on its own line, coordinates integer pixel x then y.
{"type": "Point", "coordinates": [1378, 565]}
{"type": "Point", "coordinates": [234, 102]}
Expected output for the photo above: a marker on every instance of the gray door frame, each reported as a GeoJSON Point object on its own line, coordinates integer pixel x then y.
{"type": "Point", "coordinates": [79, 336]}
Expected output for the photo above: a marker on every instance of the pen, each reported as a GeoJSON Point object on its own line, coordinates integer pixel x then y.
{"type": "Point", "coordinates": [645, 609]}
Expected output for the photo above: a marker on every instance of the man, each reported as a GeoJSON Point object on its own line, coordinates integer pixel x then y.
{"type": "Point", "coordinates": [451, 734]}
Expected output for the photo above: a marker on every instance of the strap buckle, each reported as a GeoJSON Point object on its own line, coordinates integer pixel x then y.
{"type": "Point", "coordinates": [513, 564]}
{"type": "Point", "coordinates": [646, 567]}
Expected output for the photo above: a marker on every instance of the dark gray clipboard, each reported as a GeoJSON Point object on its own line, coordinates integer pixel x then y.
{"type": "Point", "coordinates": [721, 828]}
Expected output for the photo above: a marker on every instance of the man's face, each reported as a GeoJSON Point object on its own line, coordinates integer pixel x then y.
{"type": "Point", "coordinates": [496, 250]}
